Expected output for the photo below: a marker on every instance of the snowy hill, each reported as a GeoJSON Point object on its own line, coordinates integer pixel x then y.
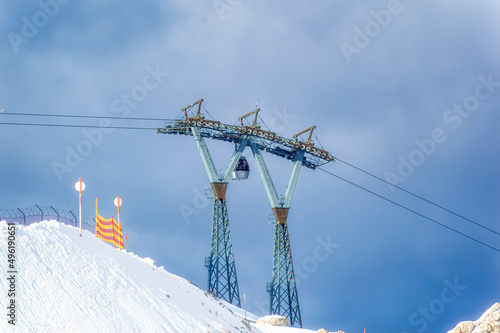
{"type": "Point", "coordinates": [67, 283]}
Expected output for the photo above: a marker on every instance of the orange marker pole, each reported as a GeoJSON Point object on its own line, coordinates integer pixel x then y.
{"type": "Point", "coordinates": [118, 201]}
{"type": "Point", "coordinates": [96, 221]}
{"type": "Point", "coordinates": [119, 223]}
{"type": "Point", "coordinates": [245, 297]}
{"type": "Point", "coordinates": [121, 231]}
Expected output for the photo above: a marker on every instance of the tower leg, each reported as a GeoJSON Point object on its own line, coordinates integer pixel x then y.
{"type": "Point", "coordinates": [283, 298]}
{"type": "Point", "coordinates": [222, 280]}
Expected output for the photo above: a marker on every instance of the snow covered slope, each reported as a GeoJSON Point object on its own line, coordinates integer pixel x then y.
{"type": "Point", "coordinates": [68, 283]}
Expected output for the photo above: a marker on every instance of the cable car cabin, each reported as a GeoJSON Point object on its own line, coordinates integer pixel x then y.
{"type": "Point", "coordinates": [241, 170]}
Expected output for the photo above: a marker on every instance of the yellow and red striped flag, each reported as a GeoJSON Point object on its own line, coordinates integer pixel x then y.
{"type": "Point", "coordinates": [108, 230]}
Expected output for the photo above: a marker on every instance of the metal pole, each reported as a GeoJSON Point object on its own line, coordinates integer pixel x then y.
{"type": "Point", "coordinates": [73, 217]}
{"type": "Point", "coordinates": [57, 213]}
{"type": "Point", "coordinates": [24, 215]}
{"type": "Point", "coordinates": [118, 202]}
{"type": "Point", "coordinates": [80, 197]}
{"type": "Point", "coordinates": [245, 297]}
{"type": "Point", "coordinates": [41, 211]}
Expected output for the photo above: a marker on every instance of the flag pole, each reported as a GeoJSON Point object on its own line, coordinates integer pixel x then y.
{"type": "Point", "coordinates": [117, 204]}
{"type": "Point", "coordinates": [118, 209]}
{"type": "Point", "coordinates": [245, 297]}
{"type": "Point", "coordinates": [96, 217]}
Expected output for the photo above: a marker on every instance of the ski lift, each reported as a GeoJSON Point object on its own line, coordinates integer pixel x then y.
{"type": "Point", "coordinates": [241, 170]}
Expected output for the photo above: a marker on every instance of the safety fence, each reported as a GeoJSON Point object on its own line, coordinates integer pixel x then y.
{"type": "Point", "coordinates": [36, 214]}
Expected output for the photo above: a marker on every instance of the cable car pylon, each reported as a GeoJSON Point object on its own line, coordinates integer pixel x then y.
{"type": "Point", "coordinates": [283, 297]}
{"type": "Point", "coordinates": [222, 281]}
{"type": "Point", "coordinates": [222, 277]}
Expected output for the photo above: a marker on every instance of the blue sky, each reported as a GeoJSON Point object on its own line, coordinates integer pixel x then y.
{"type": "Point", "coordinates": [382, 80]}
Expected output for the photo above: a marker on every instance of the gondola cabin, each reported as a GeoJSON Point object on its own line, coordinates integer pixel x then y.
{"type": "Point", "coordinates": [242, 169]}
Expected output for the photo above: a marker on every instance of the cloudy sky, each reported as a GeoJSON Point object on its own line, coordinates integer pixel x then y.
{"type": "Point", "coordinates": [407, 90]}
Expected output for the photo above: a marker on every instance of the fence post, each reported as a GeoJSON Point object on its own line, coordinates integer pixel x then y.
{"type": "Point", "coordinates": [24, 216]}
{"type": "Point", "coordinates": [76, 221]}
{"type": "Point", "coordinates": [56, 213]}
{"type": "Point", "coordinates": [41, 211]}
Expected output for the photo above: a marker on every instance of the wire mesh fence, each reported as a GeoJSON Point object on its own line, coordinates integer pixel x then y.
{"type": "Point", "coordinates": [36, 213]}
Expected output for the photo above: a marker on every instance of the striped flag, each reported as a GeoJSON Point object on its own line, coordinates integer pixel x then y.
{"type": "Point", "coordinates": [109, 231]}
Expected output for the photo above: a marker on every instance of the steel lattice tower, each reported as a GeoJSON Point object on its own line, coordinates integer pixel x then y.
{"type": "Point", "coordinates": [283, 297]}
{"type": "Point", "coordinates": [222, 279]}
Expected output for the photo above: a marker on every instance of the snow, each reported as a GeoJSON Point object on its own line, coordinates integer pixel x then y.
{"type": "Point", "coordinates": [68, 283]}
{"type": "Point", "coordinates": [278, 329]}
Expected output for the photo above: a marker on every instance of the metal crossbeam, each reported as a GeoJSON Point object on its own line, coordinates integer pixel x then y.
{"type": "Point", "coordinates": [271, 142]}
{"type": "Point", "coordinates": [205, 156]}
{"type": "Point", "coordinates": [293, 179]}
{"type": "Point", "coordinates": [272, 194]}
